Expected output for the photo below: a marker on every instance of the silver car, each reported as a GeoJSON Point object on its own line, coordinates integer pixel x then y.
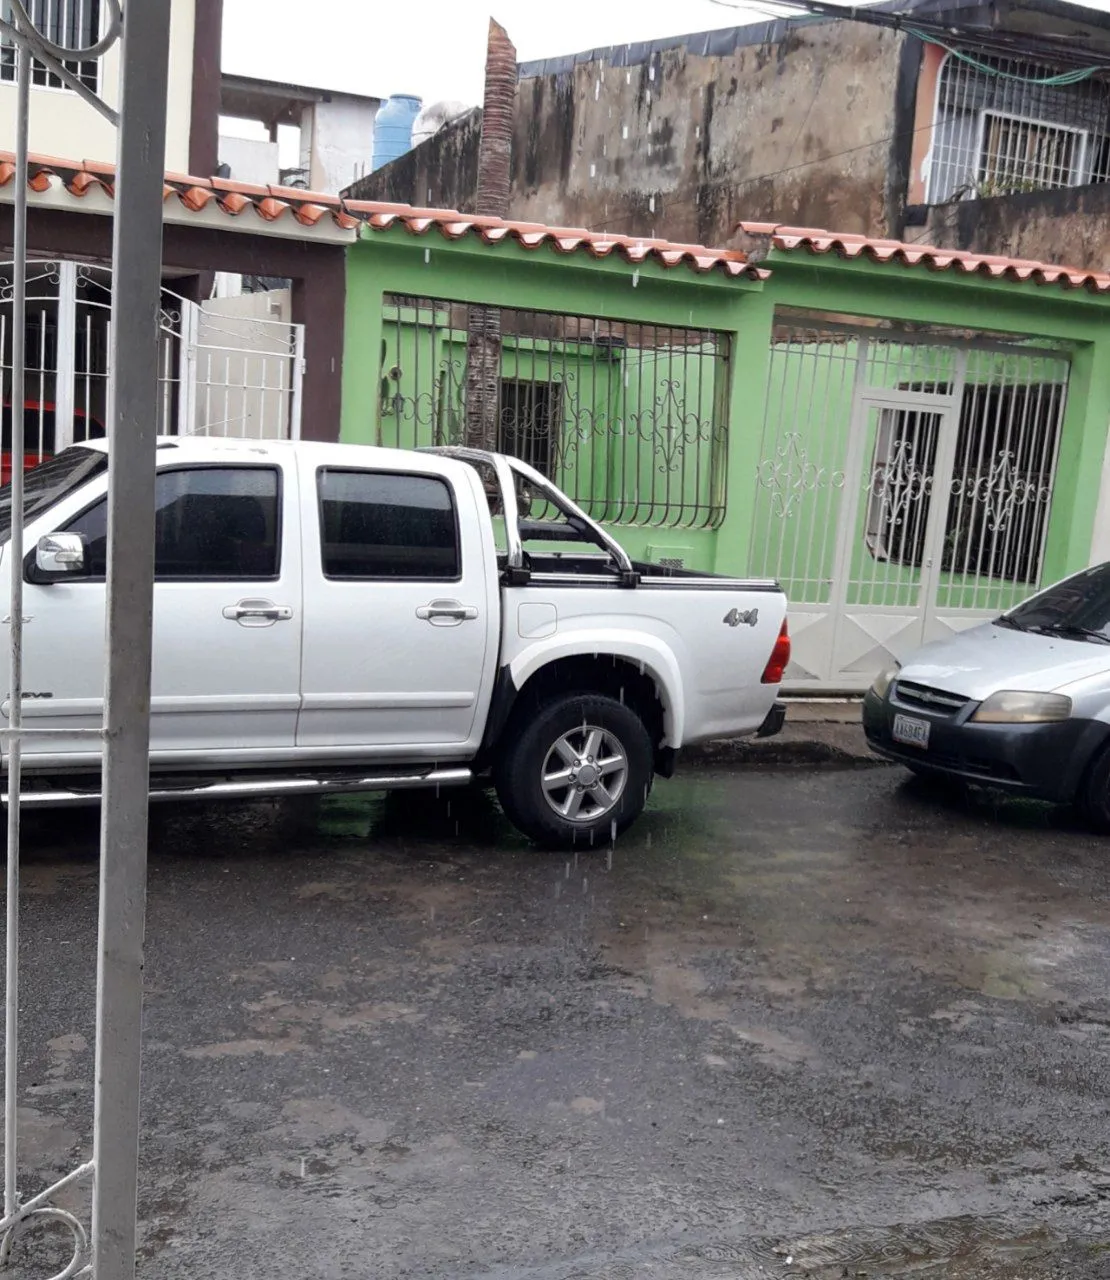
{"type": "Point", "coordinates": [1021, 703]}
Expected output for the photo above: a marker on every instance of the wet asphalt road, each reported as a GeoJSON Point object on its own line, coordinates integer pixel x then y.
{"type": "Point", "coordinates": [817, 1023]}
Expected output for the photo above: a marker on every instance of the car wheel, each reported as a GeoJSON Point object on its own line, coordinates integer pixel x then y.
{"type": "Point", "coordinates": [1094, 797]}
{"type": "Point", "coordinates": [575, 772]}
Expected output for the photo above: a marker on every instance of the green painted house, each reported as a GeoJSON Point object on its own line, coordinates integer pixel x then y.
{"type": "Point", "coordinates": [909, 440]}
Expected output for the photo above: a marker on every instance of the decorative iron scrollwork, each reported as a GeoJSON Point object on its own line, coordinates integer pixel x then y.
{"type": "Point", "coordinates": [790, 474]}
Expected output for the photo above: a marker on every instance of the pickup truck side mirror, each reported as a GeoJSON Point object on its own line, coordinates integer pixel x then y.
{"type": "Point", "coordinates": [57, 557]}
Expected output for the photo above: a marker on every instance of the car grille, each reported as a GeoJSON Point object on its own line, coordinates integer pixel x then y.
{"type": "Point", "coordinates": [921, 697]}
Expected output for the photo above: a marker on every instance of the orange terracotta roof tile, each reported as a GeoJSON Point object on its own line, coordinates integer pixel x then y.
{"type": "Point", "coordinates": [995, 266]}
{"type": "Point", "coordinates": [272, 204]}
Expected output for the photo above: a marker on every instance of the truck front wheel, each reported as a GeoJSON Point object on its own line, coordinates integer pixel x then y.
{"type": "Point", "coordinates": [576, 771]}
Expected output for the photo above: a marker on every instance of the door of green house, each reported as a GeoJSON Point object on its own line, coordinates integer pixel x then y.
{"type": "Point", "coordinates": [904, 490]}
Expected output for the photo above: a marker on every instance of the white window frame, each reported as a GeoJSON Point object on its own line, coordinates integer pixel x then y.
{"type": "Point", "coordinates": [1079, 168]}
{"type": "Point", "coordinates": [63, 88]}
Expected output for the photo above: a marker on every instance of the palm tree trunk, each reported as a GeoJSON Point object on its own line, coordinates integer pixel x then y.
{"type": "Point", "coordinates": [483, 338]}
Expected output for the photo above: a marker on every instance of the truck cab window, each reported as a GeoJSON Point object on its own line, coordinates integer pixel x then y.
{"type": "Point", "coordinates": [379, 524]}
{"type": "Point", "coordinates": [209, 523]}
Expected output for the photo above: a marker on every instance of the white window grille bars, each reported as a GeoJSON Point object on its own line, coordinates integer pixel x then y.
{"type": "Point", "coordinates": [73, 24]}
{"type": "Point", "coordinates": [999, 130]}
{"type": "Point", "coordinates": [906, 475]}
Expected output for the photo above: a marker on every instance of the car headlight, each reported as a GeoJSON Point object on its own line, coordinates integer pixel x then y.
{"type": "Point", "coordinates": [885, 679]}
{"type": "Point", "coordinates": [1010, 706]}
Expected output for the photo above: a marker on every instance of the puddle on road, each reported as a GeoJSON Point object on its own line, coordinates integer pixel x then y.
{"type": "Point", "coordinates": [950, 1249]}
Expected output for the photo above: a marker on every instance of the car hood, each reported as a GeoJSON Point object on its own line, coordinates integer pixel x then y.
{"type": "Point", "coordinates": [984, 659]}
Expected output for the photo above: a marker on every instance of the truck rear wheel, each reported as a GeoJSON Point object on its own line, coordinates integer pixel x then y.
{"type": "Point", "coordinates": [576, 771]}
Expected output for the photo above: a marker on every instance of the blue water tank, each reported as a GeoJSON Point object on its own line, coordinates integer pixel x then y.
{"type": "Point", "coordinates": [393, 128]}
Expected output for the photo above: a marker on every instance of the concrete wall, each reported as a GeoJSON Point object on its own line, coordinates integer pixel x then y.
{"type": "Point", "coordinates": [341, 142]}
{"type": "Point", "coordinates": [1071, 226]}
{"type": "Point", "coordinates": [442, 172]}
{"type": "Point", "coordinates": [682, 144]}
{"type": "Point", "coordinates": [250, 159]}
{"type": "Point", "coordinates": [62, 125]}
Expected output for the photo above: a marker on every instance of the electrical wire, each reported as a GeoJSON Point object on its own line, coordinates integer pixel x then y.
{"type": "Point", "coordinates": [1063, 78]}
{"type": "Point", "coordinates": [1059, 50]}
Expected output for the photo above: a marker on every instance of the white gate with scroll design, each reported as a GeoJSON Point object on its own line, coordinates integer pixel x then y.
{"type": "Point", "coordinates": [903, 491]}
{"type": "Point", "coordinates": [219, 374]}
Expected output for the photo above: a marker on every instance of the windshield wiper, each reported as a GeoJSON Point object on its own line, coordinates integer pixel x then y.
{"type": "Point", "coordinates": [1068, 629]}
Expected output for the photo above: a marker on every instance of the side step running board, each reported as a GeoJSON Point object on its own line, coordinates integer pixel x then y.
{"type": "Point", "coordinates": [247, 788]}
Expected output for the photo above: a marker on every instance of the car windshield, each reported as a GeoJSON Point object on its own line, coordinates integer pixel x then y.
{"type": "Point", "coordinates": [1078, 608]}
{"type": "Point", "coordinates": [47, 483]}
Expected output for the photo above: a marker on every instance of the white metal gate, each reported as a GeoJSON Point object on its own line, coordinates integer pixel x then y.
{"type": "Point", "coordinates": [903, 490]}
{"type": "Point", "coordinates": [219, 374]}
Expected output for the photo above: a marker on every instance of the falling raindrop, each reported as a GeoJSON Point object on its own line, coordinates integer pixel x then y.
{"type": "Point", "coordinates": [697, 131]}
{"type": "Point", "coordinates": [647, 97]}
{"type": "Point", "coordinates": [597, 88]}
{"type": "Point", "coordinates": [427, 256]}
{"type": "Point", "coordinates": [585, 884]}
{"type": "Point", "coordinates": [635, 279]}
{"type": "Point", "coordinates": [567, 876]}
{"type": "Point", "coordinates": [593, 171]}
{"type": "Point", "coordinates": [651, 203]}
{"type": "Point", "coordinates": [647, 840]}
{"type": "Point", "coordinates": [613, 830]}
{"type": "Point", "coordinates": [628, 77]}
{"type": "Point", "coordinates": [624, 131]}
{"type": "Point", "coordinates": [651, 72]}
{"type": "Point", "coordinates": [609, 859]}
{"type": "Point", "coordinates": [649, 148]}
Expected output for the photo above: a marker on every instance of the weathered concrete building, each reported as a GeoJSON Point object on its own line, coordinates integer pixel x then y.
{"type": "Point", "coordinates": [981, 126]}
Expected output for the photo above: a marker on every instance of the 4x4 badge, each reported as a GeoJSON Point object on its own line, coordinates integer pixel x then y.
{"type": "Point", "coordinates": [734, 617]}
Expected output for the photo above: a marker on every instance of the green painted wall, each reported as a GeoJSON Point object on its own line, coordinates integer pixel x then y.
{"type": "Point", "coordinates": [747, 537]}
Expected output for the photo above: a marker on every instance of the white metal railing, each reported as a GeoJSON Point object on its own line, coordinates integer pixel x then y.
{"type": "Point", "coordinates": [904, 487]}
{"type": "Point", "coordinates": [1003, 126]}
{"type": "Point", "coordinates": [219, 374]}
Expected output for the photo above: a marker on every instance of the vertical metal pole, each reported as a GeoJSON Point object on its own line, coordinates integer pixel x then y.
{"type": "Point", "coordinates": [297, 369]}
{"type": "Point", "coordinates": [137, 264]}
{"type": "Point", "coordinates": [15, 619]}
{"type": "Point", "coordinates": [65, 360]}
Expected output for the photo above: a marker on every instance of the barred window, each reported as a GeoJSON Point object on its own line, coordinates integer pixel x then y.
{"type": "Point", "coordinates": [72, 24]}
{"type": "Point", "coordinates": [1001, 129]}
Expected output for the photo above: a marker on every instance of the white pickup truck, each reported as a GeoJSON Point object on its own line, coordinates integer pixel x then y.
{"type": "Point", "coordinates": [340, 617]}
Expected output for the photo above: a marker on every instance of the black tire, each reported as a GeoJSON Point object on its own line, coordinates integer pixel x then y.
{"type": "Point", "coordinates": [1094, 794]}
{"type": "Point", "coordinates": [529, 785]}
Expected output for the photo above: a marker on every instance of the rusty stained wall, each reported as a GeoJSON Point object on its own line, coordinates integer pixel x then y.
{"type": "Point", "coordinates": [1070, 226]}
{"type": "Point", "coordinates": [684, 146]}
{"type": "Point", "coordinates": [441, 173]}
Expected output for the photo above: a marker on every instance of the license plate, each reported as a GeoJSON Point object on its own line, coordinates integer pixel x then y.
{"type": "Point", "coordinates": [911, 731]}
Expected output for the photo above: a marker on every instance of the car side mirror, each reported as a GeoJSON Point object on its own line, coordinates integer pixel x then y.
{"type": "Point", "coordinates": [57, 557]}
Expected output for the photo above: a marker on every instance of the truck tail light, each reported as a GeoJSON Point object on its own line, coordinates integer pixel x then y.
{"type": "Point", "coordinates": [780, 656]}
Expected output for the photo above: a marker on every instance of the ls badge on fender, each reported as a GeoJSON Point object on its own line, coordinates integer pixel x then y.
{"type": "Point", "coordinates": [734, 617]}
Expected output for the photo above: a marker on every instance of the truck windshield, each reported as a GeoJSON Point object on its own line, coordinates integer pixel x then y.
{"type": "Point", "coordinates": [1078, 608]}
{"type": "Point", "coordinates": [49, 482]}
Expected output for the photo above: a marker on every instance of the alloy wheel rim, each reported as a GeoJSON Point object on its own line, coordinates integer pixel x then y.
{"type": "Point", "coordinates": [584, 774]}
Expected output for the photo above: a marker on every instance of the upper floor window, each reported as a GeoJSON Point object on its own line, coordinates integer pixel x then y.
{"type": "Point", "coordinates": [73, 24]}
{"type": "Point", "coordinates": [1004, 126]}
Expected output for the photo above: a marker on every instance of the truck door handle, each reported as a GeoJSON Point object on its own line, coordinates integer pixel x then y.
{"type": "Point", "coordinates": [257, 613]}
{"type": "Point", "coordinates": [446, 613]}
